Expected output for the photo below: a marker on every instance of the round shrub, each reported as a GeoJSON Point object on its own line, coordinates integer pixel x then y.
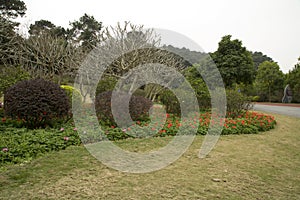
{"type": "Point", "coordinates": [138, 107]}
{"type": "Point", "coordinates": [37, 103]}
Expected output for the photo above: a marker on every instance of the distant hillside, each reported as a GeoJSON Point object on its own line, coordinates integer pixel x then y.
{"type": "Point", "coordinates": [191, 56]}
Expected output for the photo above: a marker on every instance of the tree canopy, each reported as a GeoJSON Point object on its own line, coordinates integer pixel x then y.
{"type": "Point", "coordinates": [85, 32]}
{"type": "Point", "coordinates": [259, 57]}
{"type": "Point", "coordinates": [41, 26]}
{"type": "Point", "coordinates": [234, 62]}
{"type": "Point", "coordinates": [12, 8]}
{"type": "Point", "coordinates": [269, 81]}
{"type": "Point", "coordinates": [293, 79]}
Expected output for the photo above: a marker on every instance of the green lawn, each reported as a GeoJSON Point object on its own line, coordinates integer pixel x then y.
{"type": "Point", "coordinates": [257, 166]}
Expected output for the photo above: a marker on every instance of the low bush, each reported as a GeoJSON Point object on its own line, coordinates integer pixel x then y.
{"type": "Point", "coordinates": [138, 107]}
{"type": "Point", "coordinates": [36, 103]}
{"type": "Point", "coordinates": [73, 92]}
{"type": "Point", "coordinates": [20, 144]}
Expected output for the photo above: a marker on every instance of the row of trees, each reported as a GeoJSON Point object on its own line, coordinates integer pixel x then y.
{"type": "Point", "coordinates": [254, 74]}
{"type": "Point", "coordinates": [55, 53]}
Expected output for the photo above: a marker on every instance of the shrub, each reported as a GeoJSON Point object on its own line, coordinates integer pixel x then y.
{"type": "Point", "coordinates": [138, 107]}
{"type": "Point", "coordinates": [71, 91]}
{"type": "Point", "coordinates": [172, 103]}
{"type": "Point", "coordinates": [37, 103]}
{"type": "Point", "coordinates": [237, 103]}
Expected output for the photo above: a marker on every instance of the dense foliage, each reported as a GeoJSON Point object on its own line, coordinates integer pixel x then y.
{"type": "Point", "coordinates": [269, 82]}
{"type": "Point", "coordinates": [36, 103]}
{"type": "Point", "coordinates": [18, 145]}
{"type": "Point", "coordinates": [293, 79]}
{"type": "Point", "coordinates": [234, 62]}
{"type": "Point", "coordinates": [73, 94]}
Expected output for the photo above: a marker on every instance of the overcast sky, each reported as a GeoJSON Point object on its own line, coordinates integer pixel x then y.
{"type": "Point", "coordinates": [269, 26]}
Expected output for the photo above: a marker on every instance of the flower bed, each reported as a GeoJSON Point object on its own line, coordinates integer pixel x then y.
{"type": "Point", "coordinates": [19, 144]}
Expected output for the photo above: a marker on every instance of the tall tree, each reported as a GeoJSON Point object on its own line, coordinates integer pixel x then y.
{"type": "Point", "coordinates": [234, 62]}
{"type": "Point", "coordinates": [293, 79]}
{"type": "Point", "coordinates": [12, 8]}
{"type": "Point", "coordinates": [9, 9]}
{"type": "Point", "coordinates": [41, 26]}
{"type": "Point", "coordinates": [85, 32]}
{"type": "Point", "coordinates": [259, 57]}
{"type": "Point", "coordinates": [269, 81]}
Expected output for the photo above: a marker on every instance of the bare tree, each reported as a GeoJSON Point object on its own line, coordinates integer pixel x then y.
{"type": "Point", "coordinates": [47, 56]}
{"type": "Point", "coordinates": [128, 46]}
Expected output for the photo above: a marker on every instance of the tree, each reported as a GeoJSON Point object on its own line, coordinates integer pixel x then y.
{"type": "Point", "coordinates": [47, 56]}
{"type": "Point", "coordinates": [269, 81]}
{"type": "Point", "coordinates": [9, 40]}
{"type": "Point", "coordinates": [258, 58]}
{"type": "Point", "coordinates": [199, 86]}
{"type": "Point", "coordinates": [41, 26]}
{"type": "Point", "coordinates": [192, 57]}
{"type": "Point", "coordinates": [12, 8]}
{"type": "Point", "coordinates": [293, 79]}
{"type": "Point", "coordinates": [234, 62]}
{"type": "Point", "coordinates": [85, 32]}
{"type": "Point", "coordinates": [126, 47]}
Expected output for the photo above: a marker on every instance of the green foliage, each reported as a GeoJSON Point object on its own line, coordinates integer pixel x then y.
{"type": "Point", "coordinates": [170, 101]}
{"type": "Point", "coordinates": [293, 79]}
{"type": "Point", "coordinates": [190, 56]}
{"type": "Point", "coordinates": [41, 26]}
{"type": "Point", "coordinates": [269, 82]}
{"type": "Point", "coordinates": [234, 62]}
{"type": "Point", "coordinates": [138, 107]}
{"type": "Point", "coordinates": [106, 84]}
{"type": "Point", "coordinates": [259, 57]}
{"type": "Point", "coordinates": [85, 31]}
{"type": "Point", "coordinates": [20, 144]}
{"type": "Point", "coordinates": [10, 76]}
{"type": "Point", "coordinates": [199, 86]}
{"type": "Point", "coordinates": [237, 103]}
{"type": "Point", "coordinates": [36, 103]}
{"type": "Point", "coordinates": [72, 92]}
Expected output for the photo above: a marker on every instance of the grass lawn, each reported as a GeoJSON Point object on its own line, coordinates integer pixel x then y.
{"type": "Point", "coordinates": [256, 166]}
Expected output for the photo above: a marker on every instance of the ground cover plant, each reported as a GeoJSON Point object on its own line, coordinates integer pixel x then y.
{"type": "Point", "coordinates": [21, 144]}
{"type": "Point", "coordinates": [248, 166]}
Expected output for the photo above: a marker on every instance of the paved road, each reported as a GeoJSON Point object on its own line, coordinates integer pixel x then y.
{"type": "Point", "coordinates": [284, 110]}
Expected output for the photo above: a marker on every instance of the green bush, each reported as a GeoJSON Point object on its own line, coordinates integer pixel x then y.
{"type": "Point", "coordinates": [138, 107]}
{"type": "Point", "coordinates": [237, 103]}
{"type": "Point", "coordinates": [36, 103]}
{"type": "Point", "coordinates": [71, 91]}
{"type": "Point", "coordinates": [20, 144]}
{"type": "Point", "coordinates": [172, 104]}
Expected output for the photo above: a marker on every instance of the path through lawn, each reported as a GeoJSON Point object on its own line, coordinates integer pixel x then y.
{"type": "Point", "coordinates": [262, 166]}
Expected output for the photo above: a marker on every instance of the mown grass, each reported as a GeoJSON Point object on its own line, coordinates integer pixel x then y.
{"type": "Point", "coordinates": [255, 166]}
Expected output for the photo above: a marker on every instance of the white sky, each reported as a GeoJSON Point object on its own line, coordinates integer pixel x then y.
{"type": "Point", "coordinates": [269, 26]}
